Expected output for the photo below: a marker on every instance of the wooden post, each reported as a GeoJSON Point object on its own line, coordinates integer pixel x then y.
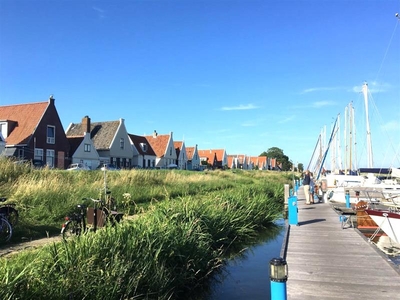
{"type": "Point", "coordinates": [286, 188]}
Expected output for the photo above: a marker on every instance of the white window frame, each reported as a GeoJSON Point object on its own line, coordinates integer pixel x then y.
{"type": "Point", "coordinates": [51, 139]}
{"type": "Point", "coordinates": [50, 157]}
{"type": "Point", "coordinates": [38, 154]}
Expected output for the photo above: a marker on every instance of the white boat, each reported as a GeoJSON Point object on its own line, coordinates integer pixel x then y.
{"type": "Point", "coordinates": [338, 184]}
{"type": "Point", "coordinates": [388, 221]}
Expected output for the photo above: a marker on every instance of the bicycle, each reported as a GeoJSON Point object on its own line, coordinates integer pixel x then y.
{"type": "Point", "coordinates": [5, 229]}
{"type": "Point", "coordinates": [96, 217]}
{"type": "Point", "coordinates": [9, 211]}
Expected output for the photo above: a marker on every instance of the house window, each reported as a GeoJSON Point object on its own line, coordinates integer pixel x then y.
{"type": "Point", "coordinates": [121, 143]}
{"type": "Point", "coordinates": [50, 158]}
{"type": "Point", "coordinates": [39, 154]}
{"type": "Point", "coordinates": [144, 147]}
{"type": "Point", "coordinates": [87, 147]}
{"type": "Point", "coordinates": [20, 153]}
{"type": "Point", "coordinates": [170, 151]}
{"type": "Point", "coordinates": [51, 134]}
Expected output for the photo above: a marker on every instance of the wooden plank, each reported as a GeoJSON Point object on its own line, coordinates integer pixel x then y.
{"type": "Point", "coordinates": [328, 262]}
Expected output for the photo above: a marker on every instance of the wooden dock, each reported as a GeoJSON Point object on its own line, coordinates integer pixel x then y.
{"type": "Point", "coordinates": [328, 262]}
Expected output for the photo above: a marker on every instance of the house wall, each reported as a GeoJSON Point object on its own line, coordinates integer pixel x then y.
{"type": "Point", "coordinates": [90, 159]}
{"type": "Point", "coordinates": [39, 138]}
{"type": "Point", "coordinates": [118, 153]}
{"type": "Point", "coordinates": [195, 163]}
{"type": "Point", "coordinates": [182, 159]}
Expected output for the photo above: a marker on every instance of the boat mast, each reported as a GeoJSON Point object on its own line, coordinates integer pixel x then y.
{"type": "Point", "coordinates": [326, 150]}
{"type": "Point", "coordinates": [339, 147]}
{"type": "Point", "coordinates": [346, 143]}
{"type": "Point", "coordinates": [369, 143]}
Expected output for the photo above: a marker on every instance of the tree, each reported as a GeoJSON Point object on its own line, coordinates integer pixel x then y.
{"type": "Point", "coordinates": [280, 157]}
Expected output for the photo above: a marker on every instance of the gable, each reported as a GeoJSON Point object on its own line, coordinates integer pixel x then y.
{"type": "Point", "coordinates": [159, 143]}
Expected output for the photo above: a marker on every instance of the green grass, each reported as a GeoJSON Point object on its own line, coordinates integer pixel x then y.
{"type": "Point", "coordinates": [189, 223]}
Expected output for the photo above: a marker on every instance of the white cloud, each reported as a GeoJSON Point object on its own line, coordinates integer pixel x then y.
{"type": "Point", "coordinates": [319, 104]}
{"type": "Point", "coordinates": [319, 89]}
{"type": "Point", "coordinates": [100, 12]}
{"type": "Point", "coordinates": [391, 126]}
{"type": "Point", "coordinates": [240, 107]}
{"type": "Point", "coordinates": [285, 120]}
{"type": "Point", "coordinates": [248, 124]}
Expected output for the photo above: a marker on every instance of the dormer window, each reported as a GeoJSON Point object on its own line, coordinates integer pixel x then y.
{"type": "Point", "coordinates": [87, 147]}
{"type": "Point", "coordinates": [121, 143]}
{"type": "Point", "coordinates": [144, 147]}
{"type": "Point", "coordinates": [51, 134]}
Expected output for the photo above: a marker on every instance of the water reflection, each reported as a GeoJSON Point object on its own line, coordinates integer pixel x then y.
{"type": "Point", "coordinates": [246, 276]}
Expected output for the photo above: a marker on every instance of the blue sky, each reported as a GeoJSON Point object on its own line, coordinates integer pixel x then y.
{"type": "Point", "coordinates": [240, 75]}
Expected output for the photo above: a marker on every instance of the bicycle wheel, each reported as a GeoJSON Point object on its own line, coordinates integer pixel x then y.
{"type": "Point", "coordinates": [12, 216]}
{"type": "Point", "coordinates": [5, 230]}
{"type": "Point", "coordinates": [71, 229]}
{"type": "Point", "coordinates": [10, 213]}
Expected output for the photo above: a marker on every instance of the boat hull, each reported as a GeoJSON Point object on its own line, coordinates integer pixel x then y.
{"type": "Point", "coordinates": [388, 221]}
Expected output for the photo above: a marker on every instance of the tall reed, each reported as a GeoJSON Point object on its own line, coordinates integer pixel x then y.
{"type": "Point", "coordinates": [175, 246]}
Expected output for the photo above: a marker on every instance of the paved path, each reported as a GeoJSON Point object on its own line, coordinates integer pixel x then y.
{"type": "Point", "coordinates": [328, 262]}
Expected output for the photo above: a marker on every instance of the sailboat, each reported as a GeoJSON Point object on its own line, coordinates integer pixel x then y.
{"type": "Point", "coordinates": [345, 182]}
{"type": "Point", "coordinates": [388, 221]}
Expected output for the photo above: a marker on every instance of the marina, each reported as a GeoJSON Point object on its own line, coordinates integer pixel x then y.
{"type": "Point", "coordinates": [329, 261]}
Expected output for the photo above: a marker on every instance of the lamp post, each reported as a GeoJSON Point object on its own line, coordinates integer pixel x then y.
{"type": "Point", "coordinates": [278, 278]}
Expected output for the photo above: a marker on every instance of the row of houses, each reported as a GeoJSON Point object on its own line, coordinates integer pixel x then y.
{"type": "Point", "coordinates": [34, 132]}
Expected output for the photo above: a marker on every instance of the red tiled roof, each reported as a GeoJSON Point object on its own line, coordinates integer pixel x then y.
{"type": "Point", "coordinates": [178, 147]}
{"type": "Point", "coordinates": [159, 143]}
{"type": "Point", "coordinates": [190, 152]}
{"type": "Point", "coordinates": [27, 117]}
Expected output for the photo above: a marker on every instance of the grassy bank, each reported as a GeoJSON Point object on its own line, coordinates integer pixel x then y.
{"type": "Point", "coordinates": [190, 222]}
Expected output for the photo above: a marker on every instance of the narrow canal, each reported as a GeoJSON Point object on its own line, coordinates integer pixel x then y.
{"type": "Point", "coordinates": [247, 276]}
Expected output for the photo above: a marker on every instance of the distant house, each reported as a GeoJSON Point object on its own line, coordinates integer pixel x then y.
{"type": "Point", "coordinates": [214, 158]}
{"type": "Point", "coordinates": [143, 154]}
{"type": "Point", "coordinates": [181, 155]}
{"type": "Point", "coordinates": [34, 132]}
{"type": "Point", "coordinates": [2, 144]}
{"type": "Point", "coordinates": [110, 140]}
{"type": "Point", "coordinates": [239, 161]}
{"type": "Point", "coordinates": [193, 158]}
{"type": "Point", "coordinates": [83, 149]}
{"type": "Point", "coordinates": [163, 146]}
{"type": "Point", "coordinates": [262, 163]}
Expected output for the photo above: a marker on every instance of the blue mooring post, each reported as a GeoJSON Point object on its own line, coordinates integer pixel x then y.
{"type": "Point", "coordinates": [278, 278]}
{"type": "Point", "coordinates": [293, 211]}
{"type": "Point", "coordinates": [347, 199]}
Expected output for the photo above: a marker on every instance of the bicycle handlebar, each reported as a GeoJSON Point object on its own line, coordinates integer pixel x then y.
{"type": "Point", "coordinates": [94, 200]}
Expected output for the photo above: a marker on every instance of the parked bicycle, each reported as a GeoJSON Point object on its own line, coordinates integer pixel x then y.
{"type": "Point", "coordinates": [5, 229]}
{"type": "Point", "coordinates": [9, 211]}
{"type": "Point", "coordinates": [89, 218]}
{"type": "Point", "coordinates": [8, 219]}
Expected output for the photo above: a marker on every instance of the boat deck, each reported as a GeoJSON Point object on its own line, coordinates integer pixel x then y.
{"type": "Point", "coordinates": [328, 262]}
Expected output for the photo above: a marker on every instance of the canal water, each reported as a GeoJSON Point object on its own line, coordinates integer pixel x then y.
{"type": "Point", "coordinates": [247, 276]}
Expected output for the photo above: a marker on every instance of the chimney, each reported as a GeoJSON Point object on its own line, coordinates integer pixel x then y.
{"type": "Point", "coordinates": [86, 124]}
{"type": "Point", "coordinates": [51, 100]}
{"type": "Point", "coordinates": [155, 134]}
